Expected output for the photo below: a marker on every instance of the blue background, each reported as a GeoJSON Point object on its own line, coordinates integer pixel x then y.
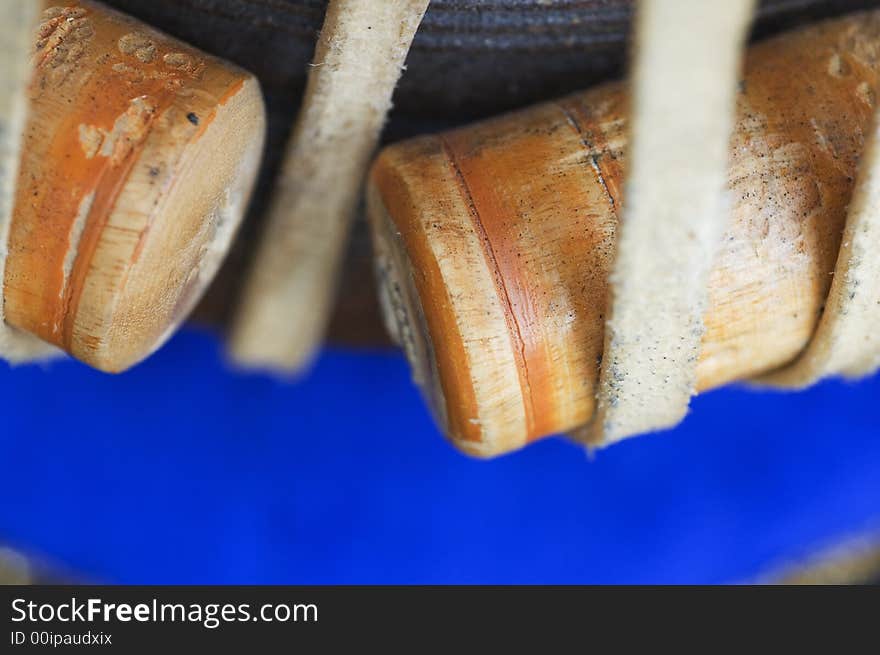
{"type": "Point", "coordinates": [183, 472]}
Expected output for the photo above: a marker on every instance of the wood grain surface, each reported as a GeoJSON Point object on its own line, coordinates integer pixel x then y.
{"type": "Point", "coordinates": [138, 159]}
{"type": "Point", "coordinates": [501, 235]}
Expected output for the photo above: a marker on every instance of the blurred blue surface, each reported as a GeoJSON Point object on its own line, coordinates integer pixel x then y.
{"type": "Point", "coordinates": [182, 472]}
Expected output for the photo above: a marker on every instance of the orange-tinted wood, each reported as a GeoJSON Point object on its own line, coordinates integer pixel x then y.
{"type": "Point", "coordinates": [540, 195]}
{"type": "Point", "coordinates": [137, 160]}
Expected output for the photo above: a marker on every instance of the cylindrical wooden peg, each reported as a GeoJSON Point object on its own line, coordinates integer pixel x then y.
{"type": "Point", "coordinates": [138, 160]}
{"type": "Point", "coordinates": [495, 242]}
